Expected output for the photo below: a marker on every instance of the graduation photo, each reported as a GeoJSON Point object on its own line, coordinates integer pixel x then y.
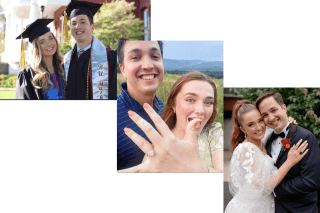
{"type": "Point", "coordinates": [71, 48]}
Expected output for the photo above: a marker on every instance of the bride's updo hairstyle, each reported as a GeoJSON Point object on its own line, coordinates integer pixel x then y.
{"type": "Point", "coordinates": [240, 108]}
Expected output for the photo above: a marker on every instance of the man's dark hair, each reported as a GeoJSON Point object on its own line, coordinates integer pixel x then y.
{"type": "Point", "coordinates": [120, 49]}
{"type": "Point", "coordinates": [277, 97]}
{"type": "Point", "coordinates": [90, 20]}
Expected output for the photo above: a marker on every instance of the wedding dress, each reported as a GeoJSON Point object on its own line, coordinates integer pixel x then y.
{"type": "Point", "coordinates": [252, 178]}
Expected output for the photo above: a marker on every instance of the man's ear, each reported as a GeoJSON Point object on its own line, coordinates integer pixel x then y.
{"type": "Point", "coordinates": [92, 25]}
{"type": "Point", "coordinates": [284, 107]}
{"type": "Point", "coordinates": [122, 70]}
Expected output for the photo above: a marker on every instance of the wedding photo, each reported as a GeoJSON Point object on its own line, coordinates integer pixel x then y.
{"type": "Point", "coordinates": [271, 150]}
{"type": "Point", "coordinates": [169, 107]}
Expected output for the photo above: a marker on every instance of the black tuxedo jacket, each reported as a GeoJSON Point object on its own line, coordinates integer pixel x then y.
{"type": "Point", "coordinates": [297, 192]}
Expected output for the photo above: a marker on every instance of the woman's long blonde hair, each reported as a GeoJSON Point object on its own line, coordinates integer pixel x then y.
{"type": "Point", "coordinates": [39, 67]}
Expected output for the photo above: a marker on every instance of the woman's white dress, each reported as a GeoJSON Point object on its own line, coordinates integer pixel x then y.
{"type": "Point", "coordinates": [252, 178]}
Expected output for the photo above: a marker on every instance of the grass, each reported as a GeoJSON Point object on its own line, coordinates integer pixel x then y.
{"type": "Point", "coordinates": [166, 86]}
{"type": "Point", "coordinates": [7, 94]}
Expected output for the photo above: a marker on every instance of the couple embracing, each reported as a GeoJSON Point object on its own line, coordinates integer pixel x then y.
{"type": "Point", "coordinates": [282, 176]}
{"type": "Point", "coordinates": [87, 71]}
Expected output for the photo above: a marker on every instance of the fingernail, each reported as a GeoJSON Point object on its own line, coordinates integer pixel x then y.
{"type": "Point", "coordinates": [126, 130]}
{"type": "Point", "coordinates": [198, 121]}
{"type": "Point", "coordinates": [130, 113]}
{"type": "Point", "coordinates": [145, 105]}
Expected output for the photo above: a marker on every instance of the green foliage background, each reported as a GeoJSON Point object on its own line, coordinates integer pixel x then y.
{"type": "Point", "coordinates": [66, 46]}
{"type": "Point", "coordinates": [116, 21]}
{"type": "Point", "coordinates": [8, 80]}
{"type": "Point", "coordinates": [166, 86]}
{"type": "Point", "coordinates": [303, 104]}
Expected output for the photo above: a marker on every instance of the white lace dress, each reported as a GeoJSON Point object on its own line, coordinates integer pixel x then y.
{"type": "Point", "coordinates": [252, 178]}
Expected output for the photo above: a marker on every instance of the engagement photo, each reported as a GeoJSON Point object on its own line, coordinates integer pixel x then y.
{"type": "Point", "coordinates": [65, 50]}
{"type": "Point", "coordinates": [272, 150]}
{"type": "Point", "coordinates": [169, 109]}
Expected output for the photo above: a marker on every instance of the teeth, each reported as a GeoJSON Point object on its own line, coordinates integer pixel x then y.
{"type": "Point", "coordinates": [274, 122]}
{"type": "Point", "coordinates": [190, 119]}
{"type": "Point", "coordinates": [78, 33]}
{"type": "Point", "coordinates": [147, 77]}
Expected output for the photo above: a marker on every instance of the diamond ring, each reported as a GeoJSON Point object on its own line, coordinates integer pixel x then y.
{"type": "Point", "coordinates": [150, 153]}
{"type": "Point", "coordinates": [300, 153]}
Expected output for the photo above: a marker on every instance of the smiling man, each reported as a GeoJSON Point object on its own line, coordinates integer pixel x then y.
{"type": "Point", "coordinates": [297, 192]}
{"type": "Point", "coordinates": [141, 63]}
{"type": "Point", "coordinates": [90, 66]}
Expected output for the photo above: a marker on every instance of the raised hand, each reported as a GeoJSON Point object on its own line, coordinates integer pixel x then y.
{"type": "Point", "coordinates": [291, 120]}
{"type": "Point", "coordinates": [169, 153]}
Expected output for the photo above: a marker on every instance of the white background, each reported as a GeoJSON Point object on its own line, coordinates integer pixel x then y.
{"type": "Point", "coordinates": [61, 156]}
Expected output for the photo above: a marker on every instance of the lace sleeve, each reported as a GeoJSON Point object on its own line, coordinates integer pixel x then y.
{"type": "Point", "coordinates": [216, 138]}
{"type": "Point", "coordinates": [251, 171]}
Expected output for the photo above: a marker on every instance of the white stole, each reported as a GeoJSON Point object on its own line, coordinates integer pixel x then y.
{"type": "Point", "coordinates": [99, 66]}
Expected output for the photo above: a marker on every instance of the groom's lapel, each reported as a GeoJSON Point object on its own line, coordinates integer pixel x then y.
{"type": "Point", "coordinates": [268, 145]}
{"type": "Point", "coordinates": [290, 136]}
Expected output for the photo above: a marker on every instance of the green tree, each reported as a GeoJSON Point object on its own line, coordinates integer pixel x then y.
{"type": "Point", "coordinates": [66, 46]}
{"type": "Point", "coordinates": [2, 16]}
{"type": "Point", "coordinates": [2, 40]}
{"type": "Point", "coordinates": [116, 21]}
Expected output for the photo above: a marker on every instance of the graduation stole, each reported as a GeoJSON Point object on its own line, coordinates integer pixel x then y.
{"type": "Point", "coordinates": [97, 70]}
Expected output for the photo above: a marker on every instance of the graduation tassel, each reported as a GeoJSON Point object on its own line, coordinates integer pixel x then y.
{"type": "Point", "coordinates": [65, 28]}
{"type": "Point", "coordinates": [22, 63]}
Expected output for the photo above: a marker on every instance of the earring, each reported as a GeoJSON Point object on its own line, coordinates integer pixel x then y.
{"type": "Point", "coordinates": [174, 111]}
{"type": "Point", "coordinates": [245, 135]}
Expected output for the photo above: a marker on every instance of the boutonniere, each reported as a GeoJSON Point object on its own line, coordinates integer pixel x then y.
{"type": "Point", "coordinates": [285, 144]}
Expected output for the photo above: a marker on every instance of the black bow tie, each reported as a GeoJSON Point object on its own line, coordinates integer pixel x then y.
{"type": "Point", "coordinates": [281, 135]}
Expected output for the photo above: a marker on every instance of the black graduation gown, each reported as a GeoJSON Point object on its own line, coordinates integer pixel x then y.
{"type": "Point", "coordinates": [77, 76]}
{"type": "Point", "coordinates": [112, 61]}
{"type": "Point", "coordinates": [24, 87]}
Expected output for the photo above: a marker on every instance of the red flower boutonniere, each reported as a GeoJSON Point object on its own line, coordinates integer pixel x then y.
{"type": "Point", "coordinates": [285, 144]}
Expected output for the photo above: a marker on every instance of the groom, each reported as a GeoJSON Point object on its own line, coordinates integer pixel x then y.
{"type": "Point", "coordinates": [297, 192]}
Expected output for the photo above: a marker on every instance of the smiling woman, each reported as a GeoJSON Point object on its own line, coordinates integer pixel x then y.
{"type": "Point", "coordinates": [187, 139]}
{"type": "Point", "coordinates": [194, 96]}
{"type": "Point", "coordinates": [45, 79]}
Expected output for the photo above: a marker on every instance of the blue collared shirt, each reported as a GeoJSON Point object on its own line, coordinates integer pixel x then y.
{"type": "Point", "coordinates": [128, 153]}
{"type": "Point", "coordinates": [84, 49]}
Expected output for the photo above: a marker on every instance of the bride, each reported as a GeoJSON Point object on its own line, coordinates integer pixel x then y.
{"type": "Point", "coordinates": [252, 174]}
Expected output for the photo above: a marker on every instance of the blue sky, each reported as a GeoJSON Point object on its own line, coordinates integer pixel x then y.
{"type": "Point", "coordinates": [191, 50]}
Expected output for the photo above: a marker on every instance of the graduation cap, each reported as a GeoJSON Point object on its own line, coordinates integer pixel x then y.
{"type": "Point", "coordinates": [36, 29]}
{"type": "Point", "coordinates": [76, 8]}
{"type": "Point", "coordinates": [33, 31]}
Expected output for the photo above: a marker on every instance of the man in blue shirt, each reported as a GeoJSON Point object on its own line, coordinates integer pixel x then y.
{"type": "Point", "coordinates": [141, 63]}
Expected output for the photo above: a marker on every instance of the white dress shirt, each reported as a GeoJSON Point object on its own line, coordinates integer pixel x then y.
{"type": "Point", "coordinates": [276, 145]}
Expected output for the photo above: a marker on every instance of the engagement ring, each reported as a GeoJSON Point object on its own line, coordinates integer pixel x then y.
{"type": "Point", "coordinates": [300, 153]}
{"type": "Point", "coordinates": [150, 153]}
